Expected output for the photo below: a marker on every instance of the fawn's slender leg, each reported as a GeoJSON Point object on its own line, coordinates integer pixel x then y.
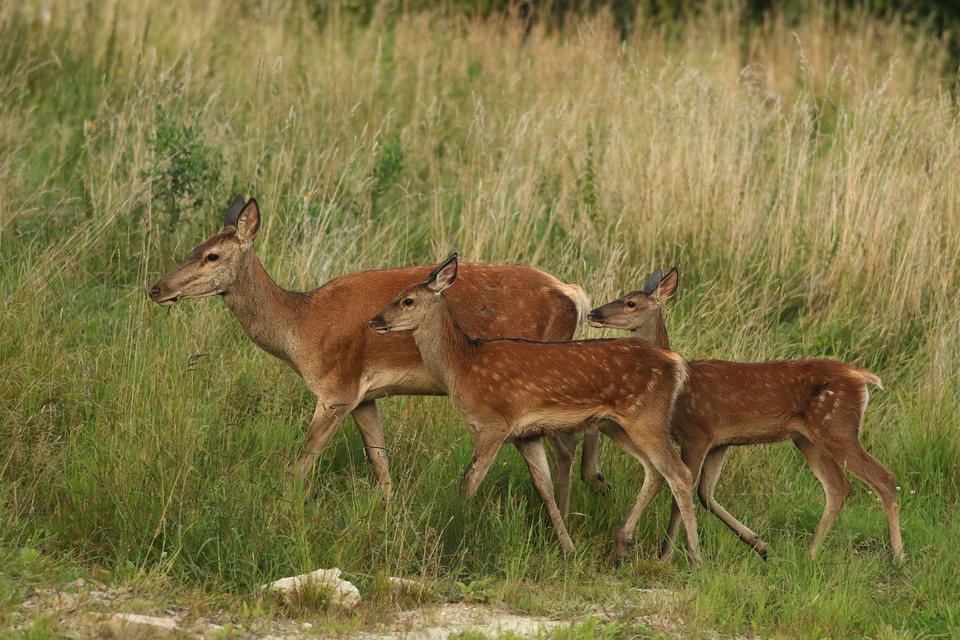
{"type": "Point", "coordinates": [589, 471]}
{"type": "Point", "coordinates": [709, 475]}
{"type": "Point", "coordinates": [532, 451]}
{"type": "Point", "coordinates": [658, 447]}
{"type": "Point", "coordinates": [836, 488]}
{"type": "Point", "coordinates": [652, 481]}
{"type": "Point", "coordinates": [564, 447]}
{"type": "Point", "coordinates": [850, 455]}
{"type": "Point", "coordinates": [692, 455]}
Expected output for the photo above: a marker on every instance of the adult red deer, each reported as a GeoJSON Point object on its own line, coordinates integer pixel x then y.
{"type": "Point", "coordinates": [518, 391]}
{"type": "Point", "coordinates": [323, 334]}
{"type": "Point", "coordinates": [818, 404]}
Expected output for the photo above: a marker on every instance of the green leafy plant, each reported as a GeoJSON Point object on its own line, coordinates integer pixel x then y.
{"type": "Point", "coordinates": [183, 169]}
{"type": "Point", "coordinates": [480, 591]}
{"type": "Point", "coordinates": [387, 166]}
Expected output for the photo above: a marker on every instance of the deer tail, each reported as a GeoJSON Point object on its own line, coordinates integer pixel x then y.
{"type": "Point", "coordinates": [580, 301]}
{"type": "Point", "coordinates": [683, 372]}
{"type": "Point", "coordinates": [869, 378]}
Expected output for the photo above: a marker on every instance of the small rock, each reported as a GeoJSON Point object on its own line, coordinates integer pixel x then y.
{"type": "Point", "coordinates": [343, 595]}
{"type": "Point", "coordinates": [142, 625]}
{"type": "Point", "coordinates": [408, 586]}
{"type": "Point", "coordinates": [63, 601]}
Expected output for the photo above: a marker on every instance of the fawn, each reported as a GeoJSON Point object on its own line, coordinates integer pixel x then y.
{"type": "Point", "coordinates": [818, 404]}
{"type": "Point", "coordinates": [517, 391]}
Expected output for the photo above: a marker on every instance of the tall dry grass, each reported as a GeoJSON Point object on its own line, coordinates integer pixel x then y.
{"type": "Point", "coordinates": [801, 175]}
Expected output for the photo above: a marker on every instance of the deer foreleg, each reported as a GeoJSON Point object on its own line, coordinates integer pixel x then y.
{"type": "Point", "coordinates": [326, 419]}
{"type": "Point", "coordinates": [589, 471]}
{"type": "Point", "coordinates": [484, 451]}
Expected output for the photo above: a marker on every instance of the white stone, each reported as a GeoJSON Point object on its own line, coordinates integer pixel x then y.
{"type": "Point", "coordinates": [343, 594]}
{"type": "Point", "coordinates": [146, 625]}
{"type": "Point", "coordinates": [409, 586]}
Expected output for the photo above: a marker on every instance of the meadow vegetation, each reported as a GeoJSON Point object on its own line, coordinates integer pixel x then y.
{"type": "Point", "coordinates": [802, 173]}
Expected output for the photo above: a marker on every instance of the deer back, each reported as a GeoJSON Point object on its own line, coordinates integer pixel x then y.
{"type": "Point", "coordinates": [765, 401]}
{"type": "Point", "coordinates": [556, 385]}
{"type": "Point", "coordinates": [492, 301]}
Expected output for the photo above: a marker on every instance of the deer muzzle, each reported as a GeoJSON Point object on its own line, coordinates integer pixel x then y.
{"type": "Point", "coordinates": [596, 319]}
{"type": "Point", "coordinates": [379, 325]}
{"type": "Point", "coordinates": [161, 297]}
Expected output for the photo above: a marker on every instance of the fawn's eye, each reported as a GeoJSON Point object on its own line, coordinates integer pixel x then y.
{"type": "Point", "coordinates": [408, 302]}
{"type": "Point", "coordinates": [212, 257]}
{"type": "Point", "coordinates": [631, 304]}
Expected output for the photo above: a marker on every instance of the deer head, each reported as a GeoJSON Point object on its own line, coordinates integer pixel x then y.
{"type": "Point", "coordinates": [638, 309]}
{"type": "Point", "coordinates": [215, 264]}
{"type": "Point", "coordinates": [412, 305]}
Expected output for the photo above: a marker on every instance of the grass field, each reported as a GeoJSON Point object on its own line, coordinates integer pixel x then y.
{"type": "Point", "coordinates": [801, 173]}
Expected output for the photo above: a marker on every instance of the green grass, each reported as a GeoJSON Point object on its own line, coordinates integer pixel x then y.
{"type": "Point", "coordinates": [802, 176]}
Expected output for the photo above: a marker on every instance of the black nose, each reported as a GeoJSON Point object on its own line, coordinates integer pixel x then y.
{"type": "Point", "coordinates": [154, 291]}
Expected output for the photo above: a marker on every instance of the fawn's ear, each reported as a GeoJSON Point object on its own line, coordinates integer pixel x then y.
{"type": "Point", "coordinates": [233, 211]}
{"type": "Point", "coordinates": [248, 221]}
{"type": "Point", "coordinates": [444, 275]}
{"type": "Point", "coordinates": [650, 284]}
{"type": "Point", "coordinates": [668, 286]}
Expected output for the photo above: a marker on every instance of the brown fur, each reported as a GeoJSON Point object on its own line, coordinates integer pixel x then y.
{"type": "Point", "coordinates": [516, 391]}
{"type": "Point", "coordinates": [323, 334]}
{"type": "Point", "coordinates": [818, 404]}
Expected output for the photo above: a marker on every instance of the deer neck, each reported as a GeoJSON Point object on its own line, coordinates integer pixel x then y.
{"type": "Point", "coordinates": [443, 345]}
{"type": "Point", "coordinates": [266, 311]}
{"type": "Point", "coordinates": [653, 330]}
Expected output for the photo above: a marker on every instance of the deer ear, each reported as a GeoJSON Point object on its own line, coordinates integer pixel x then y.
{"type": "Point", "coordinates": [248, 222]}
{"type": "Point", "coordinates": [444, 275]}
{"type": "Point", "coordinates": [233, 211]}
{"type": "Point", "coordinates": [650, 284]}
{"type": "Point", "coordinates": [668, 285]}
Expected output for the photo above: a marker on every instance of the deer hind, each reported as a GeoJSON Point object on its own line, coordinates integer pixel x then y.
{"type": "Point", "coordinates": [322, 334]}
{"type": "Point", "coordinates": [517, 391]}
{"type": "Point", "coordinates": [818, 404]}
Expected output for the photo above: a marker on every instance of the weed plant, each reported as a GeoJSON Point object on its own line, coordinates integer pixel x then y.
{"type": "Point", "coordinates": [801, 174]}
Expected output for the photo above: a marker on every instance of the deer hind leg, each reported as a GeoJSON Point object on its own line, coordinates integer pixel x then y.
{"type": "Point", "coordinates": [371, 430]}
{"type": "Point", "coordinates": [564, 447]}
{"type": "Point", "coordinates": [589, 471]}
{"type": "Point", "coordinates": [532, 451]}
{"type": "Point", "coordinates": [692, 454]}
{"type": "Point", "coordinates": [836, 487]}
{"type": "Point", "coordinates": [847, 451]}
{"type": "Point", "coordinates": [326, 419]}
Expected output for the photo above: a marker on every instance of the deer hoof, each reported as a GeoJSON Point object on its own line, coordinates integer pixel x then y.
{"type": "Point", "coordinates": [598, 484]}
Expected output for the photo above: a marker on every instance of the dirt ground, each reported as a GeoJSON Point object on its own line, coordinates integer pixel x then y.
{"type": "Point", "coordinates": [86, 609]}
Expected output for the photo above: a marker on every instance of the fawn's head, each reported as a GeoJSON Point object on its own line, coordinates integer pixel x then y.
{"type": "Point", "coordinates": [416, 302]}
{"type": "Point", "coordinates": [637, 309]}
{"type": "Point", "coordinates": [213, 265]}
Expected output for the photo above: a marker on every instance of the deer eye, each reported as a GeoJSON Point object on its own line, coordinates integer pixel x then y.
{"type": "Point", "coordinates": [631, 304]}
{"type": "Point", "coordinates": [408, 302]}
{"type": "Point", "coordinates": [212, 257]}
